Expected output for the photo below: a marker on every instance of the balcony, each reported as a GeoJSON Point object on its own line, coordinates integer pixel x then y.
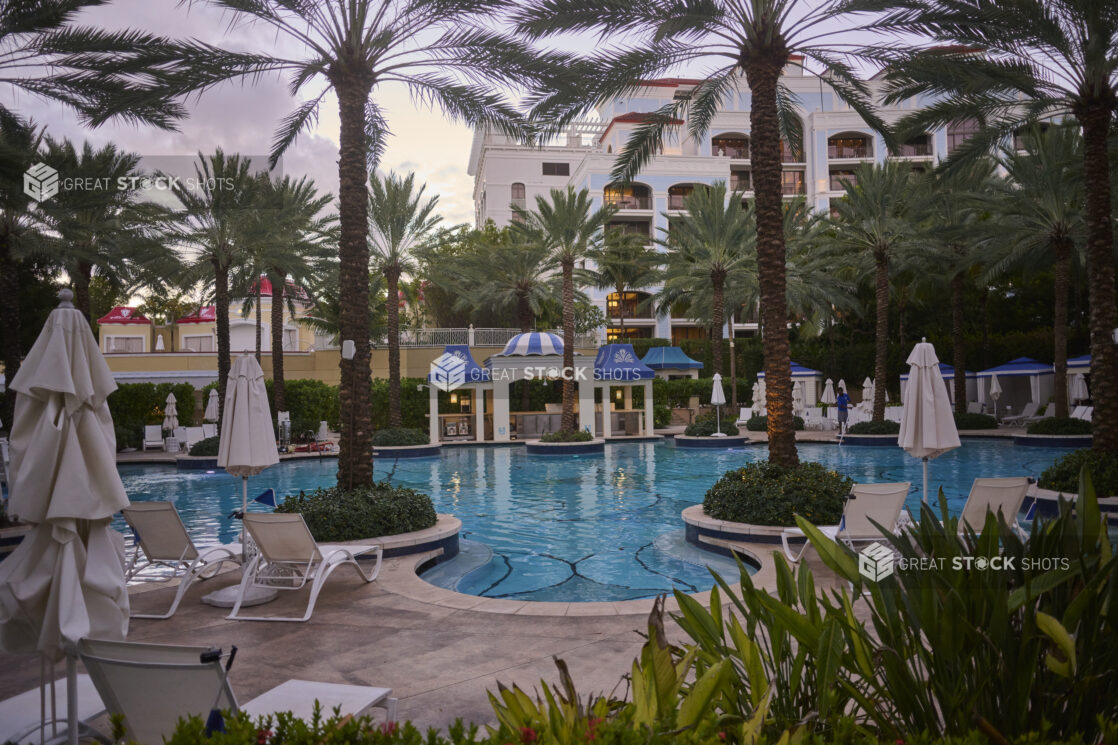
{"type": "Point", "coordinates": [839, 180]}
{"type": "Point", "coordinates": [792, 183]}
{"type": "Point", "coordinates": [628, 202]}
{"type": "Point", "coordinates": [838, 152]}
{"type": "Point", "coordinates": [741, 182]}
{"type": "Point", "coordinates": [915, 150]}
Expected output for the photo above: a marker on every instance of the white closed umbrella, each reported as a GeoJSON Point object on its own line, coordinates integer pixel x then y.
{"type": "Point", "coordinates": [211, 413]}
{"type": "Point", "coordinates": [65, 581]}
{"type": "Point", "coordinates": [995, 392]}
{"type": "Point", "coordinates": [159, 347]}
{"type": "Point", "coordinates": [867, 393]}
{"type": "Point", "coordinates": [717, 399]}
{"type": "Point", "coordinates": [759, 400]}
{"type": "Point", "coordinates": [927, 421]}
{"type": "Point", "coordinates": [756, 389]}
{"type": "Point", "coordinates": [170, 413]}
{"type": "Point", "coordinates": [1077, 388]}
{"type": "Point", "coordinates": [828, 397]}
{"type": "Point", "coordinates": [798, 396]}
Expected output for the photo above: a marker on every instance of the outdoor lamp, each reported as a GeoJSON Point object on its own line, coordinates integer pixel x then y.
{"type": "Point", "coordinates": [617, 394]}
{"type": "Point", "coordinates": [454, 398]}
{"type": "Point", "coordinates": [349, 349]}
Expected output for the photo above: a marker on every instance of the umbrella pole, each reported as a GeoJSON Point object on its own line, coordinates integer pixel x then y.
{"type": "Point", "coordinates": [925, 494]}
{"type": "Point", "coordinates": [72, 698]}
{"type": "Point", "coordinates": [244, 509]}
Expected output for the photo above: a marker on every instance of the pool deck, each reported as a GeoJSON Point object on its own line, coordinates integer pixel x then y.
{"type": "Point", "coordinates": [438, 650]}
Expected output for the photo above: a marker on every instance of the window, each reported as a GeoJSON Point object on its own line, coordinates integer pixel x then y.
{"type": "Point", "coordinates": [198, 343]}
{"type": "Point", "coordinates": [960, 132]}
{"type": "Point", "coordinates": [730, 147]}
{"type": "Point", "coordinates": [918, 146]}
{"type": "Point", "coordinates": [290, 340]}
{"type": "Point", "coordinates": [635, 227]}
{"type": "Point", "coordinates": [631, 197]}
{"type": "Point", "coordinates": [518, 195]}
{"type": "Point", "coordinates": [635, 305]}
{"type": "Point", "coordinates": [677, 195]}
{"type": "Point", "coordinates": [687, 333]}
{"type": "Point", "coordinates": [556, 169]}
{"type": "Point", "coordinates": [741, 181]}
{"type": "Point", "coordinates": [849, 146]}
{"type": "Point", "coordinates": [792, 182]}
{"type": "Point", "coordinates": [839, 179]}
{"type": "Point", "coordinates": [124, 344]}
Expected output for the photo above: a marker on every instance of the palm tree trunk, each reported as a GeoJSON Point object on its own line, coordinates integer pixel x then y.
{"type": "Point", "coordinates": [1100, 279]}
{"type": "Point", "coordinates": [9, 317]}
{"type": "Point", "coordinates": [733, 369]}
{"type": "Point", "coordinates": [83, 274]}
{"type": "Point", "coordinates": [621, 311]}
{"type": "Point", "coordinates": [1060, 271]}
{"type": "Point", "coordinates": [355, 456]}
{"type": "Point", "coordinates": [279, 395]}
{"type": "Point", "coordinates": [881, 332]}
{"type": "Point", "coordinates": [568, 419]}
{"type": "Point", "coordinates": [958, 349]}
{"type": "Point", "coordinates": [718, 310]}
{"type": "Point", "coordinates": [259, 320]}
{"type": "Point", "coordinates": [525, 318]}
{"type": "Point", "coordinates": [392, 305]}
{"type": "Point", "coordinates": [762, 74]}
{"type": "Point", "coordinates": [221, 305]}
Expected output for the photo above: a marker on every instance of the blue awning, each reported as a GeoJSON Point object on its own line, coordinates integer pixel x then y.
{"type": "Point", "coordinates": [618, 363]}
{"type": "Point", "coordinates": [946, 370]}
{"type": "Point", "coordinates": [448, 371]}
{"type": "Point", "coordinates": [1020, 366]}
{"type": "Point", "coordinates": [532, 343]}
{"type": "Point", "coordinates": [798, 371]}
{"type": "Point", "coordinates": [670, 358]}
{"type": "Point", "coordinates": [1080, 364]}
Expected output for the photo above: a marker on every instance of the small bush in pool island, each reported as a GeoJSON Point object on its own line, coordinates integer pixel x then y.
{"type": "Point", "coordinates": [207, 447]}
{"type": "Point", "coordinates": [765, 493]}
{"type": "Point", "coordinates": [975, 421]}
{"type": "Point", "coordinates": [383, 509]}
{"type": "Point", "coordinates": [886, 427]}
{"type": "Point", "coordinates": [1059, 426]}
{"type": "Point", "coordinates": [397, 436]}
{"type": "Point", "coordinates": [706, 425]}
{"type": "Point", "coordinates": [761, 423]}
{"type": "Point", "coordinates": [1063, 475]}
{"type": "Point", "coordinates": [567, 435]}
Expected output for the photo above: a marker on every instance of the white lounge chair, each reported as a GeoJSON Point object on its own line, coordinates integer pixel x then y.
{"type": "Point", "coordinates": [162, 541]}
{"type": "Point", "coordinates": [154, 685]}
{"type": "Point", "coordinates": [1029, 411]}
{"type": "Point", "coordinates": [1088, 413]}
{"type": "Point", "coordinates": [1049, 410]}
{"type": "Point", "coordinates": [744, 413]}
{"type": "Point", "coordinates": [209, 429]}
{"type": "Point", "coordinates": [288, 558]}
{"type": "Point", "coordinates": [153, 437]}
{"type": "Point", "coordinates": [974, 407]}
{"type": "Point", "coordinates": [21, 716]}
{"type": "Point", "coordinates": [1004, 495]}
{"type": "Point", "coordinates": [193, 435]}
{"type": "Point", "coordinates": [881, 503]}
{"type": "Point", "coordinates": [1078, 412]}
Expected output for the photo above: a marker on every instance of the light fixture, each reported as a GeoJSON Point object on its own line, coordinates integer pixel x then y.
{"type": "Point", "coordinates": [454, 398]}
{"type": "Point", "coordinates": [349, 349]}
{"type": "Point", "coordinates": [617, 395]}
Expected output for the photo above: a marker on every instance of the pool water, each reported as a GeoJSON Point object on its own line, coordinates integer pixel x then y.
{"type": "Point", "coordinates": [573, 528]}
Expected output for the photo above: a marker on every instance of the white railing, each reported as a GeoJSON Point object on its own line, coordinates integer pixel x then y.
{"type": "Point", "coordinates": [474, 337]}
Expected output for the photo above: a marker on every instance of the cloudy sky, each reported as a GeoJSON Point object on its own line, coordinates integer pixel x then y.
{"type": "Point", "coordinates": [242, 118]}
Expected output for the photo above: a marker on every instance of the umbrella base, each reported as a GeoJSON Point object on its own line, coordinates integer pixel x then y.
{"type": "Point", "coordinates": [226, 597]}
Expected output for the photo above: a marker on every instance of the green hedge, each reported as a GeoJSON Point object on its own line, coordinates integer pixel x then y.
{"type": "Point", "coordinates": [383, 509]}
{"type": "Point", "coordinates": [309, 402]}
{"type": "Point", "coordinates": [758, 423]}
{"type": "Point", "coordinates": [765, 493]}
{"type": "Point", "coordinates": [1063, 475]}
{"type": "Point", "coordinates": [567, 435]}
{"type": "Point", "coordinates": [207, 447]}
{"type": "Point", "coordinates": [1059, 426]}
{"type": "Point", "coordinates": [975, 421]}
{"type": "Point", "coordinates": [885, 427]}
{"type": "Point", "coordinates": [707, 426]}
{"type": "Point", "coordinates": [134, 405]}
{"type": "Point", "coordinates": [399, 436]}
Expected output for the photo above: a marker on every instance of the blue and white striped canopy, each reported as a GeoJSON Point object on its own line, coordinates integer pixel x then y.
{"type": "Point", "coordinates": [535, 342]}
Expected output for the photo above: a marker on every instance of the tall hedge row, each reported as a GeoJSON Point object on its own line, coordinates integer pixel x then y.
{"type": "Point", "coordinates": [134, 405]}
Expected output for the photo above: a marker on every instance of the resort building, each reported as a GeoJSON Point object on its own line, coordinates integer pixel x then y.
{"type": "Point", "coordinates": [835, 142]}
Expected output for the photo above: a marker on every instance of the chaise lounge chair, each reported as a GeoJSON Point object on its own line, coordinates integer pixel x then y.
{"type": "Point", "coordinates": [881, 503]}
{"type": "Point", "coordinates": [153, 437]}
{"type": "Point", "coordinates": [288, 558]}
{"type": "Point", "coordinates": [1004, 495]}
{"type": "Point", "coordinates": [154, 685]}
{"type": "Point", "coordinates": [162, 541]}
{"type": "Point", "coordinates": [1027, 412]}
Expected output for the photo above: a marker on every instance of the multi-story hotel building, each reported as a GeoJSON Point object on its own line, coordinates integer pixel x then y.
{"type": "Point", "coordinates": [835, 141]}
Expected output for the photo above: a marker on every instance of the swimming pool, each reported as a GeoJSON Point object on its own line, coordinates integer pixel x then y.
{"type": "Point", "coordinates": [570, 528]}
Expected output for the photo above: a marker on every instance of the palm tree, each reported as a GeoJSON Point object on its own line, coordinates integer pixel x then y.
{"type": "Point", "coordinates": [569, 227]}
{"type": "Point", "coordinates": [113, 232]}
{"type": "Point", "coordinates": [1038, 61]}
{"type": "Point", "coordinates": [1039, 223]}
{"type": "Point", "coordinates": [757, 39]}
{"type": "Point", "coordinates": [708, 248]}
{"type": "Point", "coordinates": [445, 52]}
{"type": "Point", "coordinates": [401, 221]}
{"type": "Point", "coordinates": [215, 224]}
{"type": "Point", "coordinates": [623, 263]}
{"type": "Point", "coordinates": [947, 201]}
{"type": "Point", "coordinates": [871, 221]}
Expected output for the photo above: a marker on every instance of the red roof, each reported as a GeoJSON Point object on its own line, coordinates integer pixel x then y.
{"type": "Point", "coordinates": [631, 117]}
{"type": "Point", "coordinates": [205, 314]}
{"type": "Point", "coordinates": [122, 315]}
{"type": "Point", "coordinates": [670, 82]}
{"type": "Point", "coordinates": [266, 289]}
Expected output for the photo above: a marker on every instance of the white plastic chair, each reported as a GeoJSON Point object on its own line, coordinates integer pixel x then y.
{"type": "Point", "coordinates": [162, 541]}
{"type": "Point", "coordinates": [209, 429]}
{"type": "Point", "coordinates": [153, 437]}
{"type": "Point", "coordinates": [974, 407]}
{"type": "Point", "coordinates": [288, 558]}
{"type": "Point", "coordinates": [1004, 495]}
{"type": "Point", "coordinates": [881, 503]}
{"type": "Point", "coordinates": [154, 685]}
{"type": "Point", "coordinates": [1027, 412]}
{"type": "Point", "coordinates": [194, 434]}
{"type": "Point", "coordinates": [743, 416]}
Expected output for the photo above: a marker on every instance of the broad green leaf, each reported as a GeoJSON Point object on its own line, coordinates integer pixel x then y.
{"type": "Point", "coordinates": [751, 728]}
{"type": "Point", "coordinates": [705, 690]}
{"type": "Point", "coordinates": [828, 659]}
{"type": "Point", "coordinates": [835, 556]}
{"type": "Point", "coordinates": [1055, 631]}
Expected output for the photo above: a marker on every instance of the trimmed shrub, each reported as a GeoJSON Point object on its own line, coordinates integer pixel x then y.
{"type": "Point", "coordinates": [1063, 475]}
{"type": "Point", "coordinates": [207, 447]}
{"type": "Point", "coordinates": [567, 435]}
{"type": "Point", "coordinates": [975, 421]}
{"type": "Point", "coordinates": [134, 405]}
{"type": "Point", "coordinates": [761, 423]}
{"type": "Point", "coordinates": [705, 427]}
{"type": "Point", "coordinates": [765, 493]}
{"type": "Point", "coordinates": [400, 436]}
{"type": "Point", "coordinates": [334, 514]}
{"type": "Point", "coordinates": [309, 402]}
{"type": "Point", "coordinates": [661, 415]}
{"type": "Point", "coordinates": [1059, 426]}
{"type": "Point", "coordinates": [886, 427]}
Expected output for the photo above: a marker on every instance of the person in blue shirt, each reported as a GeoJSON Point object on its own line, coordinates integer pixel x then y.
{"type": "Point", "coordinates": [843, 405]}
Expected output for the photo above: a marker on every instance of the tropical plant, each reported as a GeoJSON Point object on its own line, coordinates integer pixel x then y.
{"type": "Point", "coordinates": [757, 40]}
{"type": "Point", "coordinates": [215, 225]}
{"type": "Point", "coordinates": [622, 263]}
{"type": "Point", "coordinates": [872, 221]}
{"type": "Point", "coordinates": [337, 514]}
{"type": "Point", "coordinates": [401, 221]}
{"type": "Point", "coordinates": [1039, 224]}
{"type": "Point", "coordinates": [764, 493]}
{"type": "Point", "coordinates": [113, 232]}
{"type": "Point", "coordinates": [445, 53]}
{"type": "Point", "coordinates": [708, 248]}
{"type": "Point", "coordinates": [569, 227]}
{"type": "Point", "coordinates": [1009, 66]}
